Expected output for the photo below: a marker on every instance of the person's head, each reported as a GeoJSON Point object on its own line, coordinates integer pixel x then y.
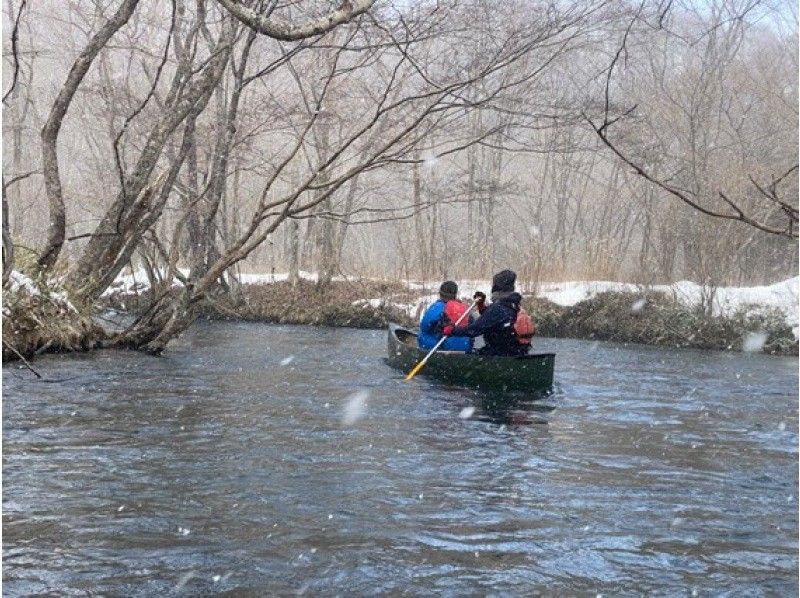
{"type": "Point", "coordinates": [503, 282]}
{"type": "Point", "coordinates": [448, 290]}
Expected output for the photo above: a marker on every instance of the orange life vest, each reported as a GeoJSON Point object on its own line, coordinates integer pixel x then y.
{"type": "Point", "coordinates": [453, 310]}
{"type": "Point", "coordinates": [523, 327]}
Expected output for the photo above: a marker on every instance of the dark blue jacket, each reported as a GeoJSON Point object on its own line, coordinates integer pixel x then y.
{"type": "Point", "coordinates": [430, 331]}
{"type": "Point", "coordinates": [496, 324]}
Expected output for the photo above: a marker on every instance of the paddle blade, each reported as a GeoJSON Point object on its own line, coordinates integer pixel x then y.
{"type": "Point", "coordinates": [416, 370]}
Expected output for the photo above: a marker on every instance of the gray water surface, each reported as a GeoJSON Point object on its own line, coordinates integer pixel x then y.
{"type": "Point", "coordinates": [225, 466]}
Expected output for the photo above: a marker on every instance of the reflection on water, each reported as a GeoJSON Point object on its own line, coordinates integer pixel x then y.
{"type": "Point", "coordinates": [514, 409]}
{"type": "Point", "coordinates": [291, 459]}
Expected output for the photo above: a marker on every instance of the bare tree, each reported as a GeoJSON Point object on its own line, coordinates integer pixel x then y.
{"type": "Point", "coordinates": [52, 179]}
{"type": "Point", "coordinates": [765, 207]}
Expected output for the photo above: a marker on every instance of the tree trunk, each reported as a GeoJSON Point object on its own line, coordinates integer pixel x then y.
{"type": "Point", "coordinates": [294, 251]}
{"type": "Point", "coordinates": [118, 227]}
{"type": "Point", "coordinates": [52, 179]}
{"type": "Point", "coordinates": [8, 245]}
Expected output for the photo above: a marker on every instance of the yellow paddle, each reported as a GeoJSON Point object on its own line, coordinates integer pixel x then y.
{"type": "Point", "coordinates": [425, 359]}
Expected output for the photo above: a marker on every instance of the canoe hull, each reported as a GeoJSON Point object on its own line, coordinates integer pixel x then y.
{"type": "Point", "coordinates": [529, 373]}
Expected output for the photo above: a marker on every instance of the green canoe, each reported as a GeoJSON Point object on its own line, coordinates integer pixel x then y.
{"type": "Point", "coordinates": [529, 373]}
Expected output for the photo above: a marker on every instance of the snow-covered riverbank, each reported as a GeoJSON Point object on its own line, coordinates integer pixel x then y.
{"type": "Point", "coordinates": [761, 318]}
{"type": "Point", "coordinates": [782, 295]}
{"type": "Point", "coordinates": [663, 315]}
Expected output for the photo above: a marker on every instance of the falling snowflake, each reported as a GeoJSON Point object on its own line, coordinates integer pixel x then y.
{"type": "Point", "coordinates": [287, 360]}
{"type": "Point", "coordinates": [466, 412]}
{"type": "Point", "coordinates": [638, 305]}
{"type": "Point", "coordinates": [354, 408]}
{"type": "Point", "coordinates": [430, 159]}
{"type": "Point", "coordinates": [754, 341]}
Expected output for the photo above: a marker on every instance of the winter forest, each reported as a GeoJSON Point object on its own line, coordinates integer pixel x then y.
{"type": "Point", "coordinates": [645, 142]}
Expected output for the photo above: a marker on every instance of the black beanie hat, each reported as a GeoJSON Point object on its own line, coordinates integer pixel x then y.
{"type": "Point", "coordinates": [504, 281]}
{"type": "Point", "coordinates": [449, 289]}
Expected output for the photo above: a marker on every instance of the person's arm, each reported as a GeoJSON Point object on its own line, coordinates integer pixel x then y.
{"type": "Point", "coordinates": [489, 318]}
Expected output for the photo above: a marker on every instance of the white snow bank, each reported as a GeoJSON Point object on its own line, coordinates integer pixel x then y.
{"type": "Point", "coordinates": [375, 303]}
{"type": "Point", "coordinates": [250, 278]}
{"type": "Point", "coordinates": [782, 295]}
{"type": "Point", "coordinates": [136, 281]}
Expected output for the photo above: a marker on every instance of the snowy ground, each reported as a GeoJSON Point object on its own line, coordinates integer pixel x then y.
{"type": "Point", "coordinates": [783, 295]}
{"type": "Point", "coordinates": [131, 281]}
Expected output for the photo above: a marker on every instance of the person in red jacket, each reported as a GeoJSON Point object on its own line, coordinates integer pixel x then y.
{"type": "Point", "coordinates": [443, 312]}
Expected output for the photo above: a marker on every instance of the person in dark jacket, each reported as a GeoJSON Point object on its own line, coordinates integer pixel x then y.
{"type": "Point", "coordinates": [446, 310]}
{"type": "Point", "coordinates": [496, 322]}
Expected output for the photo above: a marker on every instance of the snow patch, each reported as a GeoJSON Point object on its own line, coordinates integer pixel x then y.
{"type": "Point", "coordinates": [136, 281]}
{"type": "Point", "coordinates": [374, 303]}
{"type": "Point", "coordinates": [20, 281]}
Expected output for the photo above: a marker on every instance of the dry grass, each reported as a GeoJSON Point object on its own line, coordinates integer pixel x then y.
{"type": "Point", "coordinates": [646, 318]}
{"type": "Point", "coordinates": [656, 319]}
{"type": "Point", "coordinates": [338, 304]}
{"type": "Point", "coordinates": [34, 324]}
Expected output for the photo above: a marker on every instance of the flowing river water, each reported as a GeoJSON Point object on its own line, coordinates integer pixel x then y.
{"type": "Point", "coordinates": [273, 460]}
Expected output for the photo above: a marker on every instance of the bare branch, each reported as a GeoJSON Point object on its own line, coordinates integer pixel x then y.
{"type": "Point", "coordinates": [150, 93]}
{"type": "Point", "coordinates": [284, 31]}
{"type": "Point", "coordinates": [17, 179]}
{"type": "Point", "coordinates": [738, 214]}
{"type": "Point", "coordinates": [15, 57]}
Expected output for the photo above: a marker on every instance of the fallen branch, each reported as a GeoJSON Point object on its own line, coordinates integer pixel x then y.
{"type": "Point", "coordinates": [24, 361]}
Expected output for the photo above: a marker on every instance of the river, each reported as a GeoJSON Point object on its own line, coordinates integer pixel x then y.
{"type": "Point", "coordinates": [260, 459]}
